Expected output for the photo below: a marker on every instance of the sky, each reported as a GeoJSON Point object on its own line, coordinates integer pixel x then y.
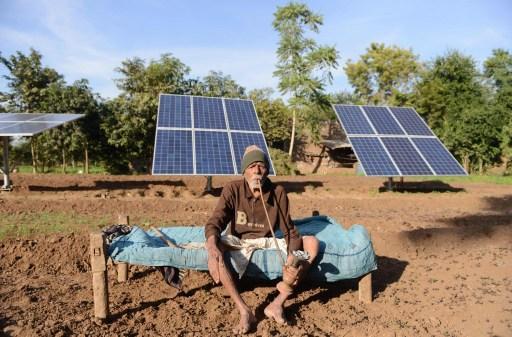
{"type": "Point", "coordinates": [89, 39]}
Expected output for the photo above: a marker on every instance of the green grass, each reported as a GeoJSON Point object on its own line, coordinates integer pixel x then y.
{"type": "Point", "coordinates": [69, 169]}
{"type": "Point", "coordinates": [29, 224]}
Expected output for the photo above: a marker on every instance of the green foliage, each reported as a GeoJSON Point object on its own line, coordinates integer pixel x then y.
{"type": "Point", "coordinates": [384, 75]}
{"type": "Point", "coordinates": [131, 120]}
{"type": "Point", "coordinates": [303, 67]}
{"type": "Point", "coordinates": [282, 162]}
{"type": "Point", "coordinates": [498, 69]}
{"type": "Point", "coordinates": [216, 84]}
{"type": "Point", "coordinates": [452, 97]}
{"type": "Point", "coordinates": [274, 116]}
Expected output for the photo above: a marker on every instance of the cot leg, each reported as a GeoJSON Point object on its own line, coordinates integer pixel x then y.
{"type": "Point", "coordinates": [365, 288]}
{"type": "Point", "coordinates": [122, 267]}
{"type": "Point", "coordinates": [99, 275]}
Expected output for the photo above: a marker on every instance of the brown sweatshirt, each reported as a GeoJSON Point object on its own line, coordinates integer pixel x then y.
{"type": "Point", "coordinates": [237, 206]}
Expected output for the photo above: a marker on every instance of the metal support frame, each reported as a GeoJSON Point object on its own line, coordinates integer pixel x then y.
{"type": "Point", "coordinates": [389, 184]}
{"type": "Point", "coordinates": [5, 169]}
{"type": "Point", "coordinates": [208, 188]}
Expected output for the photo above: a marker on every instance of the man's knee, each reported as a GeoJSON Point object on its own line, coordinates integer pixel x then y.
{"type": "Point", "coordinates": [310, 244]}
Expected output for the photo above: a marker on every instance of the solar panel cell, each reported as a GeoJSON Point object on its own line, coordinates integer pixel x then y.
{"type": "Point", "coordinates": [208, 113]}
{"type": "Point", "coordinates": [382, 120]}
{"type": "Point", "coordinates": [173, 152]}
{"type": "Point", "coordinates": [353, 119]}
{"type": "Point", "coordinates": [241, 115]}
{"type": "Point", "coordinates": [411, 121]}
{"type": "Point", "coordinates": [175, 111]}
{"type": "Point", "coordinates": [406, 157]}
{"type": "Point", "coordinates": [213, 153]}
{"type": "Point", "coordinates": [441, 161]}
{"type": "Point", "coordinates": [373, 157]}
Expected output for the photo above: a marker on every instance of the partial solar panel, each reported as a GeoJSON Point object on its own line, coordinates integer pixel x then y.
{"type": "Point", "coordinates": [406, 157]}
{"type": "Point", "coordinates": [441, 161]}
{"type": "Point", "coordinates": [213, 153]}
{"type": "Point", "coordinates": [241, 115]}
{"type": "Point", "coordinates": [411, 121]}
{"type": "Point", "coordinates": [173, 152]}
{"type": "Point", "coordinates": [175, 111]}
{"type": "Point", "coordinates": [209, 135]}
{"type": "Point", "coordinates": [208, 113]}
{"type": "Point", "coordinates": [29, 124]}
{"type": "Point", "coordinates": [382, 120]}
{"type": "Point", "coordinates": [353, 119]}
{"type": "Point", "coordinates": [395, 141]}
{"type": "Point", "coordinates": [373, 158]}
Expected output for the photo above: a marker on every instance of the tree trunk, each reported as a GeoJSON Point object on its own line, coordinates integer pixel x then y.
{"type": "Point", "coordinates": [86, 160]}
{"type": "Point", "coordinates": [465, 162]}
{"type": "Point", "coordinates": [481, 166]}
{"type": "Point", "coordinates": [33, 152]}
{"type": "Point", "coordinates": [319, 162]}
{"type": "Point", "coordinates": [63, 161]}
{"type": "Point", "coordinates": [292, 140]}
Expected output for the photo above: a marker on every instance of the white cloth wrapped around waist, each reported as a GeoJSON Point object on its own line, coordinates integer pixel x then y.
{"type": "Point", "coordinates": [241, 249]}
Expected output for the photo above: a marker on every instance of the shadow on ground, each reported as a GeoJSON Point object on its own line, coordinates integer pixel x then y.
{"type": "Point", "coordinates": [420, 187]}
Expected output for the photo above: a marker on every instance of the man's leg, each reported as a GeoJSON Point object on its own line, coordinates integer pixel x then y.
{"type": "Point", "coordinates": [275, 309]}
{"type": "Point", "coordinates": [246, 315]}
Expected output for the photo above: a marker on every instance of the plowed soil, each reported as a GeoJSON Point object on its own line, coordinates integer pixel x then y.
{"type": "Point", "coordinates": [444, 257]}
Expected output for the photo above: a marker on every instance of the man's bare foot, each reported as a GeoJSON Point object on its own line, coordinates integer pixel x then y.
{"type": "Point", "coordinates": [246, 321]}
{"type": "Point", "coordinates": [275, 312]}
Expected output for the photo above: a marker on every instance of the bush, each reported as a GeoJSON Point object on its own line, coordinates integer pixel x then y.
{"type": "Point", "coordinates": [282, 162]}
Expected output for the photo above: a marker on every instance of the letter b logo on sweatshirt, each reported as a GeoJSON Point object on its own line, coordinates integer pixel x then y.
{"type": "Point", "coordinates": [241, 218]}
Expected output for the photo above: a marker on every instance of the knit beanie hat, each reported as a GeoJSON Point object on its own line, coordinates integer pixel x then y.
{"type": "Point", "coordinates": [253, 154]}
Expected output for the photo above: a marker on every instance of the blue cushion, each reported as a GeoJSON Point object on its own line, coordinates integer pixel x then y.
{"type": "Point", "coordinates": [344, 253]}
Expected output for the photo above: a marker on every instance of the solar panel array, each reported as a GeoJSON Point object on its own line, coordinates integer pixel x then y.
{"type": "Point", "coordinates": [29, 124]}
{"type": "Point", "coordinates": [395, 141]}
{"type": "Point", "coordinates": [198, 135]}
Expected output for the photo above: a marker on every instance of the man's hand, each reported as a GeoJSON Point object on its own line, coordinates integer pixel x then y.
{"type": "Point", "coordinates": [215, 259]}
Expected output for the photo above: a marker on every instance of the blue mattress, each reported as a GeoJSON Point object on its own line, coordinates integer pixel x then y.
{"type": "Point", "coordinates": [344, 253]}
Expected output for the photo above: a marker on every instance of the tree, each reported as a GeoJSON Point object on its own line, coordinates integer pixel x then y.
{"type": "Point", "coordinates": [498, 69]}
{"type": "Point", "coordinates": [455, 103]}
{"type": "Point", "coordinates": [384, 75]}
{"type": "Point", "coordinates": [28, 81]}
{"type": "Point", "coordinates": [131, 124]}
{"type": "Point", "coordinates": [274, 116]}
{"type": "Point", "coordinates": [216, 84]}
{"type": "Point", "coordinates": [303, 67]}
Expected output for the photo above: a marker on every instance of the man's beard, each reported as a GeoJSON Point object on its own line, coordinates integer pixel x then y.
{"type": "Point", "coordinates": [255, 181]}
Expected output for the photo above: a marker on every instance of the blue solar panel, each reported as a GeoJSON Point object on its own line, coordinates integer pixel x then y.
{"type": "Point", "coordinates": [353, 119]}
{"type": "Point", "coordinates": [173, 152]}
{"type": "Point", "coordinates": [241, 115]}
{"type": "Point", "coordinates": [241, 141]}
{"type": "Point", "coordinates": [213, 153]}
{"type": "Point", "coordinates": [405, 156]}
{"type": "Point", "coordinates": [382, 120]}
{"type": "Point", "coordinates": [441, 161]}
{"type": "Point", "coordinates": [372, 157]}
{"type": "Point", "coordinates": [193, 138]}
{"type": "Point", "coordinates": [208, 113]}
{"type": "Point", "coordinates": [175, 111]}
{"type": "Point", "coordinates": [411, 122]}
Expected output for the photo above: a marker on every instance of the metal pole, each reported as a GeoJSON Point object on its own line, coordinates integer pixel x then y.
{"type": "Point", "coordinates": [5, 169]}
{"type": "Point", "coordinates": [208, 188]}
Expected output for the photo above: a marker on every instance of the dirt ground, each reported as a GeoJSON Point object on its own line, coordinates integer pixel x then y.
{"type": "Point", "coordinates": [444, 257]}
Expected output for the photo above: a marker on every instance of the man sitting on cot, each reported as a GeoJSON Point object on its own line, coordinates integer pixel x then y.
{"type": "Point", "coordinates": [241, 207]}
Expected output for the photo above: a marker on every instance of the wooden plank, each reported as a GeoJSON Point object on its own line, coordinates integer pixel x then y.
{"type": "Point", "coordinates": [99, 275]}
{"type": "Point", "coordinates": [365, 288]}
{"type": "Point", "coordinates": [122, 267]}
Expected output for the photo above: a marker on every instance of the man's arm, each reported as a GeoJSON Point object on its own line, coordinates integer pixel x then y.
{"type": "Point", "coordinates": [215, 225]}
